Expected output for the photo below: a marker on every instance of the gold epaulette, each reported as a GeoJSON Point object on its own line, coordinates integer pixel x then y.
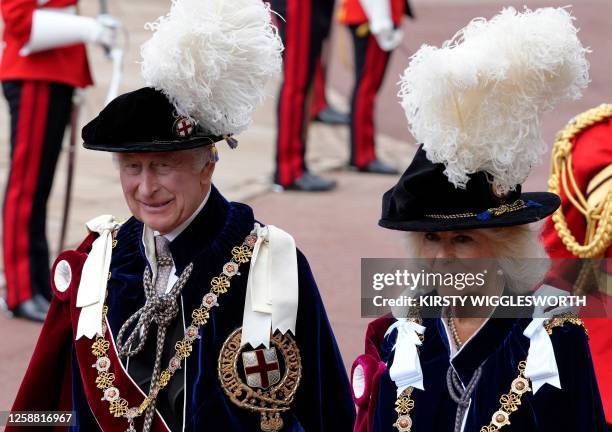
{"type": "Point", "coordinates": [598, 236]}
{"type": "Point", "coordinates": [560, 320]}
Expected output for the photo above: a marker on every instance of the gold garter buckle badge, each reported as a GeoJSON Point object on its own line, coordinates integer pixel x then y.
{"type": "Point", "coordinates": [262, 380]}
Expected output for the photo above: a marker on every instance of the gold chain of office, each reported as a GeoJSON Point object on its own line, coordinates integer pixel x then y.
{"type": "Point", "coordinates": [219, 285]}
{"type": "Point", "coordinates": [509, 402]}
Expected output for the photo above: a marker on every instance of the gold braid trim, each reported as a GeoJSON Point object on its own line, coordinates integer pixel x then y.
{"type": "Point", "coordinates": [599, 219]}
{"type": "Point", "coordinates": [493, 211]}
{"type": "Point", "coordinates": [560, 320]}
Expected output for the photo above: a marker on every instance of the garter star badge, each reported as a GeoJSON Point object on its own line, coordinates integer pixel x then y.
{"type": "Point", "coordinates": [261, 380]}
{"type": "Point", "coordinates": [184, 127]}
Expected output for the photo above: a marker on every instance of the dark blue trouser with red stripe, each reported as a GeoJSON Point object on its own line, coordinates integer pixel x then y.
{"type": "Point", "coordinates": [319, 98]}
{"type": "Point", "coordinates": [39, 114]}
{"type": "Point", "coordinates": [306, 25]}
{"type": "Point", "coordinates": [370, 66]}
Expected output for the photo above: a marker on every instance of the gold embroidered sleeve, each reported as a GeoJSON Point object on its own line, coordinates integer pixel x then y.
{"type": "Point", "coordinates": [561, 320]}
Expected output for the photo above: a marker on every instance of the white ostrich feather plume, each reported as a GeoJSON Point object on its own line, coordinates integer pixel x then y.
{"type": "Point", "coordinates": [476, 102]}
{"type": "Point", "coordinates": [212, 59]}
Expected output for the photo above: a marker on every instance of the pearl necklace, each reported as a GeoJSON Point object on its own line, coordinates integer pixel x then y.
{"type": "Point", "coordinates": [454, 333]}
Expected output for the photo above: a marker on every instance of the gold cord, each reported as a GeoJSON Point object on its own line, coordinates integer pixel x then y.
{"type": "Point", "coordinates": [599, 218]}
{"type": "Point", "coordinates": [119, 406]}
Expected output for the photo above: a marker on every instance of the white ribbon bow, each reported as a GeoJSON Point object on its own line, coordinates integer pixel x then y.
{"type": "Point", "coordinates": [406, 368]}
{"type": "Point", "coordinates": [94, 277]}
{"type": "Point", "coordinates": [271, 301]}
{"type": "Point", "coordinates": [541, 365]}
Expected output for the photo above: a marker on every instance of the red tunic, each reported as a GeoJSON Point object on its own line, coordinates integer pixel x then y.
{"type": "Point", "coordinates": [592, 152]}
{"type": "Point", "coordinates": [53, 351]}
{"type": "Point", "coordinates": [351, 12]}
{"type": "Point", "coordinates": [67, 65]}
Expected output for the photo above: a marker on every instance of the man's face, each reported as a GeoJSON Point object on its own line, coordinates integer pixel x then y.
{"type": "Point", "coordinates": [163, 189]}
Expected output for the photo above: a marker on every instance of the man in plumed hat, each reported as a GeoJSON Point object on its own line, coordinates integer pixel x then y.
{"type": "Point", "coordinates": [190, 315]}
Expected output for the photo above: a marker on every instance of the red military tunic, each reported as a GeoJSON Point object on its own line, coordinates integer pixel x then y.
{"type": "Point", "coordinates": [351, 12]}
{"type": "Point", "coordinates": [591, 154]}
{"type": "Point", "coordinates": [67, 65]}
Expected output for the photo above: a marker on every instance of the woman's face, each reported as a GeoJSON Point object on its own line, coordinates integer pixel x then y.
{"type": "Point", "coordinates": [456, 244]}
{"type": "Point", "coordinates": [468, 251]}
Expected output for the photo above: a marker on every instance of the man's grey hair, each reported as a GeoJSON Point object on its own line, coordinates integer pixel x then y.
{"type": "Point", "coordinates": [202, 156]}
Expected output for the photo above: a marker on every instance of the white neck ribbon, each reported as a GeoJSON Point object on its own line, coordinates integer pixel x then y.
{"type": "Point", "coordinates": [541, 365]}
{"type": "Point", "coordinates": [406, 368]}
{"type": "Point", "coordinates": [271, 301]}
{"type": "Point", "coordinates": [94, 277]}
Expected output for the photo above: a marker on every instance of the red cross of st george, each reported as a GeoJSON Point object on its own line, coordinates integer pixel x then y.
{"type": "Point", "coordinates": [262, 368]}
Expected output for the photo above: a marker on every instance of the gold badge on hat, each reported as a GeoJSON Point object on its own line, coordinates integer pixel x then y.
{"type": "Point", "coordinates": [262, 380]}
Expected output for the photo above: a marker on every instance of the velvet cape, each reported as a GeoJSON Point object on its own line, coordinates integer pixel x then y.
{"type": "Point", "coordinates": [60, 375]}
{"type": "Point", "coordinates": [501, 345]}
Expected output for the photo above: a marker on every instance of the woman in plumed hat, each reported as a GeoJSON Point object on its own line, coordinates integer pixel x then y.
{"type": "Point", "coordinates": [475, 106]}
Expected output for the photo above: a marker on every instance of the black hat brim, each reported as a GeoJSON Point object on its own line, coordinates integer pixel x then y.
{"type": "Point", "coordinates": [548, 203]}
{"type": "Point", "coordinates": [145, 121]}
{"type": "Point", "coordinates": [154, 146]}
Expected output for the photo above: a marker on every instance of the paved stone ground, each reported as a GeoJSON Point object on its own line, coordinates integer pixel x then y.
{"type": "Point", "coordinates": [334, 230]}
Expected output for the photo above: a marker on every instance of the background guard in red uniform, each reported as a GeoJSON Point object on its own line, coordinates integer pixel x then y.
{"type": "Point", "coordinates": [303, 27]}
{"type": "Point", "coordinates": [43, 61]}
{"type": "Point", "coordinates": [320, 108]}
{"type": "Point", "coordinates": [373, 25]}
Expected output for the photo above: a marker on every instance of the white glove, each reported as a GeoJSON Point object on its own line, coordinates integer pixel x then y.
{"type": "Point", "coordinates": [381, 24]}
{"type": "Point", "coordinates": [390, 39]}
{"type": "Point", "coordinates": [54, 29]}
{"type": "Point", "coordinates": [379, 15]}
{"type": "Point", "coordinates": [107, 33]}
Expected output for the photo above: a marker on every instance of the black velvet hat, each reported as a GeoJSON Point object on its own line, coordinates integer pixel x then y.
{"type": "Point", "coordinates": [476, 104]}
{"type": "Point", "coordinates": [424, 200]}
{"type": "Point", "coordinates": [145, 120]}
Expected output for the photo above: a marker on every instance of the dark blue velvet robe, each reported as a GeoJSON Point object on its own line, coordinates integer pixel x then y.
{"type": "Point", "coordinates": [500, 343]}
{"type": "Point", "coordinates": [323, 401]}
